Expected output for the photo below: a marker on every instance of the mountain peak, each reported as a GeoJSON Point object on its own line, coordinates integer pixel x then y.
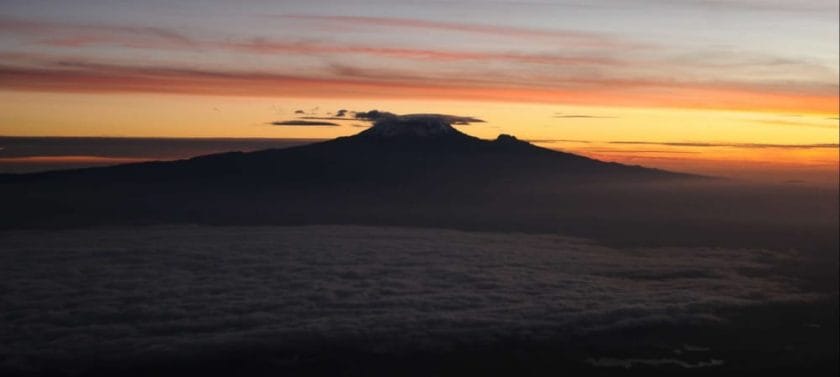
{"type": "Point", "coordinates": [505, 138]}
{"type": "Point", "coordinates": [416, 126]}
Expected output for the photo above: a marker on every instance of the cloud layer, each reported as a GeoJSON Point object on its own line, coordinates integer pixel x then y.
{"type": "Point", "coordinates": [525, 63]}
{"type": "Point", "coordinates": [124, 294]}
{"type": "Point", "coordinates": [303, 123]}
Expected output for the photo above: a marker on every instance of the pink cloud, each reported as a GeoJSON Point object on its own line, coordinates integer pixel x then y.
{"type": "Point", "coordinates": [98, 78]}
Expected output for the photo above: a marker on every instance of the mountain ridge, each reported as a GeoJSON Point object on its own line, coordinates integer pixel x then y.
{"type": "Point", "coordinates": [411, 143]}
{"type": "Point", "coordinates": [427, 172]}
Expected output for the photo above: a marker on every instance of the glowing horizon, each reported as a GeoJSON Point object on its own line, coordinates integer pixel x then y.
{"type": "Point", "coordinates": [699, 80]}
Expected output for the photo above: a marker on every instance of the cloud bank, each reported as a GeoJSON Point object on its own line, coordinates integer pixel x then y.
{"type": "Point", "coordinates": [125, 294]}
{"type": "Point", "coordinates": [529, 62]}
{"type": "Point", "coordinates": [73, 76]}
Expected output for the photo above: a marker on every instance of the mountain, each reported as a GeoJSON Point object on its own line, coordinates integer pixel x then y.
{"type": "Point", "coordinates": [396, 148]}
{"type": "Point", "coordinates": [401, 164]}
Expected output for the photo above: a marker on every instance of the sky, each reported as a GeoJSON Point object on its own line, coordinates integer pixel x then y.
{"type": "Point", "coordinates": [700, 85]}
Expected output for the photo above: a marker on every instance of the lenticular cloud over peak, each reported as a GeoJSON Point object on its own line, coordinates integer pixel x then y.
{"type": "Point", "coordinates": [387, 124]}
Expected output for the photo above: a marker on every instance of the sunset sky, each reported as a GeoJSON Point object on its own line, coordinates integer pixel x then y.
{"type": "Point", "coordinates": [697, 85]}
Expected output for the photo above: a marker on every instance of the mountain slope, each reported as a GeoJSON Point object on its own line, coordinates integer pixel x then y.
{"type": "Point", "coordinates": [394, 171]}
{"type": "Point", "coordinates": [394, 149]}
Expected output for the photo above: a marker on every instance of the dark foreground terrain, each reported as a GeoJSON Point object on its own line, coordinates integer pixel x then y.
{"type": "Point", "coordinates": [458, 261]}
{"type": "Point", "coordinates": [339, 300]}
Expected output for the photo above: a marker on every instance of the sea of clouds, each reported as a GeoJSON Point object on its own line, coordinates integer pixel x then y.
{"type": "Point", "coordinates": [122, 293]}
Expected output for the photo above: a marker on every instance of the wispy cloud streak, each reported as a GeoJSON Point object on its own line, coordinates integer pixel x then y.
{"type": "Point", "coordinates": [582, 116]}
{"type": "Point", "coordinates": [730, 145]}
{"type": "Point", "coordinates": [69, 76]}
{"type": "Point", "coordinates": [613, 70]}
{"type": "Point", "coordinates": [304, 123]}
{"type": "Point", "coordinates": [76, 35]}
{"type": "Point", "coordinates": [577, 38]}
{"type": "Point", "coordinates": [264, 46]}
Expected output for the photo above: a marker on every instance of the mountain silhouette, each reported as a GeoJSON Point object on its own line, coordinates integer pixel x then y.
{"type": "Point", "coordinates": [417, 161]}
{"type": "Point", "coordinates": [395, 148]}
